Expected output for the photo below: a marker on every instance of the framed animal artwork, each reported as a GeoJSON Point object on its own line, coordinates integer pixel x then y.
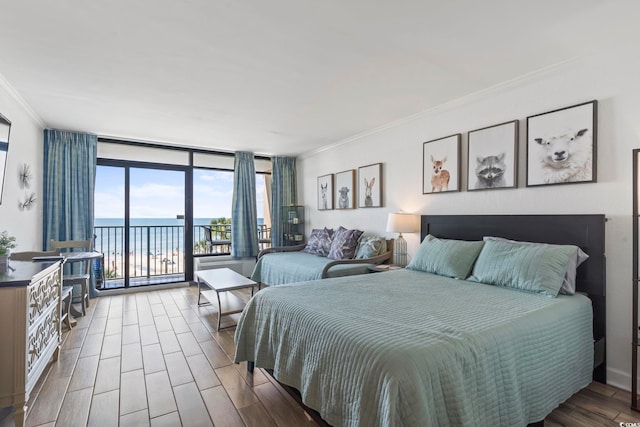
{"type": "Point", "coordinates": [493, 157]}
{"type": "Point", "coordinates": [441, 165]}
{"type": "Point", "coordinates": [345, 186]}
{"type": "Point", "coordinates": [325, 192]}
{"type": "Point", "coordinates": [370, 186]}
{"type": "Point", "coordinates": [561, 145]}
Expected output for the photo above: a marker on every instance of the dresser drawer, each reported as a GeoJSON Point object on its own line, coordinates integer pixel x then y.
{"type": "Point", "coordinates": [41, 295]}
{"type": "Point", "coordinates": [43, 338]}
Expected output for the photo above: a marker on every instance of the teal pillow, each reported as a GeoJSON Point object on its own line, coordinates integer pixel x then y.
{"type": "Point", "coordinates": [569, 282]}
{"type": "Point", "coordinates": [532, 268]}
{"type": "Point", "coordinates": [451, 258]}
{"type": "Point", "coordinates": [371, 246]}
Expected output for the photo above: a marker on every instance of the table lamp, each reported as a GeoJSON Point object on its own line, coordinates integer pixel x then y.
{"type": "Point", "coordinates": [401, 223]}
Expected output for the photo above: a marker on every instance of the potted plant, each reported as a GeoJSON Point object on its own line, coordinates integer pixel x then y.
{"type": "Point", "coordinates": [6, 243]}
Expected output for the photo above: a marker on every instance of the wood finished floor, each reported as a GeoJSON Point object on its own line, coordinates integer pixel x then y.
{"type": "Point", "coordinates": [155, 359]}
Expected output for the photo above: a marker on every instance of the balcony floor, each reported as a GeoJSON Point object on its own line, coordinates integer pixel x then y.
{"type": "Point", "coordinates": [142, 281]}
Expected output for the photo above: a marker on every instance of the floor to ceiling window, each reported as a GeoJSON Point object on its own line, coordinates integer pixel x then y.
{"type": "Point", "coordinates": [212, 197]}
{"type": "Point", "coordinates": [158, 207]}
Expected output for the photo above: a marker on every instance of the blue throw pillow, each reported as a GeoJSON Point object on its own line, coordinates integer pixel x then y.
{"type": "Point", "coordinates": [344, 244]}
{"type": "Point", "coordinates": [319, 242]}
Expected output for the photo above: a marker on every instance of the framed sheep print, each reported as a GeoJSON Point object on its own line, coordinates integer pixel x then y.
{"type": "Point", "coordinates": [325, 192]}
{"type": "Point", "coordinates": [561, 145]}
{"type": "Point", "coordinates": [441, 165]}
{"type": "Point", "coordinates": [492, 157]}
{"type": "Point", "coordinates": [370, 186]}
{"type": "Point", "coordinates": [345, 194]}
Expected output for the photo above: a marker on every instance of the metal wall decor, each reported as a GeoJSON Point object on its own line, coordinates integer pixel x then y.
{"type": "Point", "coordinates": [25, 176]}
{"type": "Point", "coordinates": [27, 202]}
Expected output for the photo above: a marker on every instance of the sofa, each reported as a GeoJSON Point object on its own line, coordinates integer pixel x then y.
{"type": "Point", "coordinates": [326, 254]}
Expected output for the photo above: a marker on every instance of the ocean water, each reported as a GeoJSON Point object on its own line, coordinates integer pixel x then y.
{"type": "Point", "coordinates": [105, 222]}
{"type": "Point", "coordinates": [154, 236]}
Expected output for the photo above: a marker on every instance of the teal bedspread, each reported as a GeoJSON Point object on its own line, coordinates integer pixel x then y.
{"type": "Point", "coordinates": [287, 267]}
{"type": "Point", "coordinates": [406, 348]}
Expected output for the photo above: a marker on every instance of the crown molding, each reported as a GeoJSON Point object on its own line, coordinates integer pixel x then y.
{"type": "Point", "coordinates": [13, 93]}
{"type": "Point", "coordinates": [449, 105]}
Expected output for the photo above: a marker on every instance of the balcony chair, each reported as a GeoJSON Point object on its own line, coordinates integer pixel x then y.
{"type": "Point", "coordinates": [208, 237]}
{"type": "Point", "coordinates": [265, 238]}
{"type": "Point", "coordinates": [80, 279]}
{"type": "Point", "coordinates": [66, 290]}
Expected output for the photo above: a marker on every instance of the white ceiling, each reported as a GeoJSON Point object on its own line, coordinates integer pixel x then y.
{"type": "Point", "coordinates": [279, 76]}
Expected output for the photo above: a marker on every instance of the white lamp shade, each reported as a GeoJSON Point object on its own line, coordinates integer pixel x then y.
{"type": "Point", "coordinates": [403, 223]}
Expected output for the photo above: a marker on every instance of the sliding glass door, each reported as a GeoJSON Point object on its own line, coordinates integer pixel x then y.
{"type": "Point", "coordinates": [156, 226]}
{"type": "Point", "coordinates": [140, 223]}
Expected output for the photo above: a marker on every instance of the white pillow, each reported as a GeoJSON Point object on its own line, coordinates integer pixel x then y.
{"type": "Point", "coordinates": [569, 283]}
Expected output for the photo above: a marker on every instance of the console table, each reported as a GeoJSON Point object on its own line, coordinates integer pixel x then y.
{"type": "Point", "coordinates": [30, 329]}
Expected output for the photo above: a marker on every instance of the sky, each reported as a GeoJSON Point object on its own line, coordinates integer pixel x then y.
{"type": "Point", "coordinates": [160, 193]}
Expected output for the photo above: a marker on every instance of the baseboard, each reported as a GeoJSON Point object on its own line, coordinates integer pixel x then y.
{"type": "Point", "coordinates": [619, 379]}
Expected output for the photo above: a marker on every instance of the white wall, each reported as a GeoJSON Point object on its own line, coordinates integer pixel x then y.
{"type": "Point", "coordinates": [25, 146]}
{"type": "Point", "coordinates": [611, 77]}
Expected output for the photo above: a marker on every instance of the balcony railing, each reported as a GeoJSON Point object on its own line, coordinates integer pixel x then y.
{"type": "Point", "coordinates": [158, 250]}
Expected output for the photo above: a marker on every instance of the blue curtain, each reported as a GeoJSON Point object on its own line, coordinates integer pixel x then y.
{"type": "Point", "coordinates": [244, 217]}
{"type": "Point", "coordinates": [283, 194]}
{"type": "Point", "coordinates": [69, 182]}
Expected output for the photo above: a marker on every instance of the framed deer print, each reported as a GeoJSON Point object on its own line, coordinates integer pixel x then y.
{"type": "Point", "coordinates": [345, 186]}
{"type": "Point", "coordinates": [370, 186]}
{"type": "Point", "coordinates": [493, 157]}
{"type": "Point", "coordinates": [441, 165]}
{"type": "Point", "coordinates": [325, 192]}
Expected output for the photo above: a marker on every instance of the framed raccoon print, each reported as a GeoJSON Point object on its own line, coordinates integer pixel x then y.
{"type": "Point", "coordinates": [493, 157]}
{"type": "Point", "coordinates": [441, 165]}
{"type": "Point", "coordinates": [345, 189]}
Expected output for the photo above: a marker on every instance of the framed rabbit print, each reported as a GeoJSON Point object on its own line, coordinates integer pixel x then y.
{"type": "Point", "coordinates": [441, 165]}
{"type": "Point", "coordinates": [370, 186]}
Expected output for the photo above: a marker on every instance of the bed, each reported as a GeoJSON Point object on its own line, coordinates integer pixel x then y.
{"type": "Point", "coordinates": [281, 268]}
{"type": "Point", "coordinates": [413, 348]}
{"type": "Point", "coordinates": [282, 265]}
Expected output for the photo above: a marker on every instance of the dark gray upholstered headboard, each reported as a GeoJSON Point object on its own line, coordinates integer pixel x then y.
{"type": "Point", "coordinates": [585, 231]}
